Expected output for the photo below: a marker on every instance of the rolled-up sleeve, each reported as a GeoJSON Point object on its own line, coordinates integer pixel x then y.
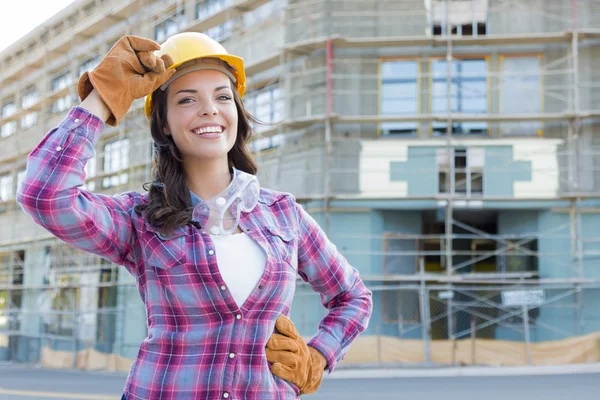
{"type": "Point", "coordinates": [50, 192]}
{"type": "Point", "coordinates": [341, 290]}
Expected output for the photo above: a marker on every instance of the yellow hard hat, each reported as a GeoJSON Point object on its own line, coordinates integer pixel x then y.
{"type": "Point", "coordinates": [187, 46]}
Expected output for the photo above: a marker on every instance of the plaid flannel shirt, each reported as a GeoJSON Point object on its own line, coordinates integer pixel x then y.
{"type": "Point", "coordinates": [200, 344]}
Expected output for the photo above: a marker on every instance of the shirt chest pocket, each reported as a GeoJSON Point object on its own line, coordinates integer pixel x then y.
{"type": "Point", "coordinates": [165, 251]}
{"type": "Point", "coordinates": [284, 242]}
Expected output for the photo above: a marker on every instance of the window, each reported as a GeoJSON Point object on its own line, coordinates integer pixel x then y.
{"type": "Point", "coordinates": [30, 96]}
{"type": "Point", "coordinates": [116, 158]}
{"type": "Point", "coordinates": [8, 129]}
{"type": "Point", "coordinates": [61, 305]}
{"type": "Point", "coordinates": [466, 168]}
{"type": "Point", "coordinates": [60, 81]}
{"type": "Point", "coordinates": [90, 172]}
{"type": "Point", "coordinates": [399, 95]}
{"type": "Point", "coordinates": [520, 92]}
{"type": "Point", "coordinates": [468, 94]}
{"type": "Point", "coordinates": [220, 32]}
{"type": "Point", "coordinates": [88, 65]}
{"type": "Point", "coordinates": [11, 273]}
{"type": "Point", "coordinates": [4, 304]}
{"type": "Point", "coordinates": [165, 29]}
{"type": "Point", "coordinates": [107, 303]}
{"type": "Point", "coordinates": [399, 305]}
{"type": "Point", "coordinates": [20, 177]}
{"type": "Point", "coordinates": [207, 8]}
{"type": "Point", "coordinates": [263, 13]}
{"type": "Point", "coordinates": [266, 143]}
{"type": "Point", "coordinates": [6, 187]}
{"type": "Point", "coordinates": [61, 104]}
{"type": "Point", "coordinates": [266, 105]}
{"type": "Point", "coordinates": [28, 120]}
{"type": "Point", "coordinates": [462, 18]}
{"type": "Point", "coordinates": [8, 108]}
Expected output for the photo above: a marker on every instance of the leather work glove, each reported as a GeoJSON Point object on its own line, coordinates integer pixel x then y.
{"type": "Point", "coordinates": [129, 71]}
{"type": "Point", "coordinates": [293, 360]}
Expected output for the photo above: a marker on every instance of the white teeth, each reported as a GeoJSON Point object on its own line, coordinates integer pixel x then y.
{"type": "Point", "coordinates": [209, 129]}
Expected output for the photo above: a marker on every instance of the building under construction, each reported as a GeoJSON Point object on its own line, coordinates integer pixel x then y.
{"type": "Point", "coordinates": [449, 148]}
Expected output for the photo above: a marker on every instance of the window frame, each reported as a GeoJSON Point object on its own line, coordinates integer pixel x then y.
{"type": "Point", "coordinates": [90, 63]}
{"type": "Point", "coordinates": [441, 29]}
{"type": "Point", "coordinates": [394, 295]}
{"type": "Point", "coordinates": [66, 73]}
{"type": "Point", "coordinates": [272, 141]}
{"type": "Point", "coordinates": [174, 18]}
{"type": "Point", "coordinates": [461, 57]}
{"type": "Point", "coordinates": [33, 115]}
{"type": "Point", "coordinates": [419, 82]}
{"type": "Point", "coordinates": [10, 101]}
{"type": "Point", "coordinates": [501, 58]}
{"type": "Point", "coordinates": [61, 104]}
{"type": "Point", "coordinates": [7, 181]}
{"type": "Point", "coordinates": [219, 6]}
{"type": "Point", "coordinates": [121, 174]}
{"type": "Point", "coordinates": [13, 130]}
{"type": "Point", "coordinates": [30, 92]}
{"type": "Point", "coordinates": [468, 170]}
{"type": "Point", "coordinates": [91, 170]}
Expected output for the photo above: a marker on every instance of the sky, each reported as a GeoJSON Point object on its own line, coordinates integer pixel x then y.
{"type": "Point", "coordinates": [19, 17]}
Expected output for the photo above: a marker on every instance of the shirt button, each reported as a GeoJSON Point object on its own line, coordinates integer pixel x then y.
{"type": "Point", "coordinates": [225, 395]}
{"type": "Point", "coordinates": [58, 148]}
{"type": "Point", "coordinates": [211, 252]}
{"type": "Point", "coordinates": [215, 230]}
{"type": "Point", "coordinates": [223, 287]}
{"type": "Point", "coordinates": [231, 355]}
{"type": "Point", "coordinates": [239, 316]}
{"type": "Point", "coordinates": [76, 120]}
{"type": "Point", "coordinates": [221, 201]}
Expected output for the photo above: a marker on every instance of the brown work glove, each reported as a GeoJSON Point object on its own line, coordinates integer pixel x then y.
{"type": "Point", "coordinates": [129, 71]}
{"type": "Point", "coordinates": [292, 359]}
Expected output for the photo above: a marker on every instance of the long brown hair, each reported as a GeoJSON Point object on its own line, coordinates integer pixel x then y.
{"type": "Point", "coordinates": [169, 203]}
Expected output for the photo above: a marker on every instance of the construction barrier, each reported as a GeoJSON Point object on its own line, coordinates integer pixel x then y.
{"type": "Point", "coordinates": [383, 350]}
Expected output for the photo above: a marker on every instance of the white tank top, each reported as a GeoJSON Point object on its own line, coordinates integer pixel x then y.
{"type": "Point", "coordinates": [241, 263]}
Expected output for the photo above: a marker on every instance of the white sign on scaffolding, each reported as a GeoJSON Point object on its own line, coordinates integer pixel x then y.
{"type": "Point", "coordinates": [530, 297]}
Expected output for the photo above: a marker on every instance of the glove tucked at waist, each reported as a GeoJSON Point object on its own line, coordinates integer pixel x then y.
{"type": "Point", "coordinates": [292, 359]}
{"type": "Point", "coordinates": [129, 71]}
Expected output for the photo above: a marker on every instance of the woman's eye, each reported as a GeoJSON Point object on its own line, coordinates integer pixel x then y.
{"type": "Point", "coordinates": [223, 97]}
{"type": "Point", "coordinates": [185, 100]}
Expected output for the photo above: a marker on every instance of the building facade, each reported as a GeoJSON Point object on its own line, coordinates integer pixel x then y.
{"type": "Point", "coordinates": [450, 149]}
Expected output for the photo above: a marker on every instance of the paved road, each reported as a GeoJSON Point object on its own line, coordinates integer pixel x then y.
{"type": "Point", "coordinates": [26, 383]}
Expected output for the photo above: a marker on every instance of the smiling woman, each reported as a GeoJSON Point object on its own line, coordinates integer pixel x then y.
{"type": "Point", "coordinates": [215, 256]}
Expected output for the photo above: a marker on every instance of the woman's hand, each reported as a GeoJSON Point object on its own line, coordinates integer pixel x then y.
{"type": "Point", "coordinates": [129, 71]}
{"type": "Point", "coordinates": [292, 359]}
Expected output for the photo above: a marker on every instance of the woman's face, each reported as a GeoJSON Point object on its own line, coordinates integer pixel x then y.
{"type": "Point", "coordinates": [201, 115]}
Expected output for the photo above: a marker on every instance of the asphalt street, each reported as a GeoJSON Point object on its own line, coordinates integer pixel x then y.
{"type": "Point", "coordinates": [28, 383]}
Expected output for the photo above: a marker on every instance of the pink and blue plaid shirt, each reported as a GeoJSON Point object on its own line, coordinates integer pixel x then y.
{"type": "Point", "coordinates": [200, 344]}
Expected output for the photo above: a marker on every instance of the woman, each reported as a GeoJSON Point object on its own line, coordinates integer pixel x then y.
{"type": "Point", "coordinates": [215, 256]}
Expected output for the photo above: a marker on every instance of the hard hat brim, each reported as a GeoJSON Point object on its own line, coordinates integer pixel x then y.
{"type": "Point", "coordinates": [237, 63]}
